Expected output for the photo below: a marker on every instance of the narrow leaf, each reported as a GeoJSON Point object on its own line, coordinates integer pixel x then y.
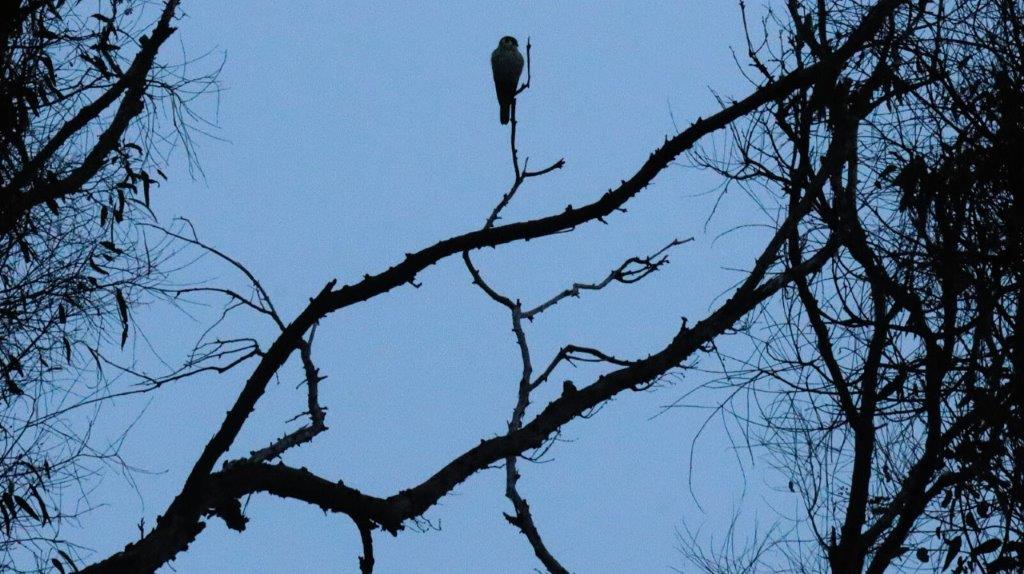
{"type": "Point", "coordinates": [990, 545]}
{"type": "Point", "coordinates": [954, 548]}
{"type": "Point", "coordinates": [122, 308]}
{"type": "Point", "coordinates": [26, 506]}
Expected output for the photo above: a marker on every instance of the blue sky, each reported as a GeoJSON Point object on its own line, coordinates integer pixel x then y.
{"type": "Point", "coordinates": [353, 132]}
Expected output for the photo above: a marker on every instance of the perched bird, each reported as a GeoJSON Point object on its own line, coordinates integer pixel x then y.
{"type": "Point", "coordinates": [568, 388]}
{"type": "Point", "coordinates": [507, 66]}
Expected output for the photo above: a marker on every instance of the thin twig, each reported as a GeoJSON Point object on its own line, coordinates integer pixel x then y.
{"type": "Point", "coordinates": [630, 271]}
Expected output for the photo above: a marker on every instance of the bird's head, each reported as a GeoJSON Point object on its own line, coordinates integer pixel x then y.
{"type": "Point", "coordinates": [508, 43]}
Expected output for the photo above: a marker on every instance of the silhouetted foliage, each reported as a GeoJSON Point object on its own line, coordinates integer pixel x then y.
{"type": "Point", "coordinates": [81, 95]}
{"type": "Point", "coordinates": [889, 383]}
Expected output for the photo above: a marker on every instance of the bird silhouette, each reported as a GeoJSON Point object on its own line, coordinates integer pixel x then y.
{"type": "Point", "coordinates": [507, 66]}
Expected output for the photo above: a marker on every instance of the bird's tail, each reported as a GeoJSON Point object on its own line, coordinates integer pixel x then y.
{"type": "Point", "coordinates": [506, 112]}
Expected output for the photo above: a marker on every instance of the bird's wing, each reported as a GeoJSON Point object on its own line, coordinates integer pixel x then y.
{"type": "Point", "coordinates": [517, 64]}
{"type": "Point", "coordinates": [506, 70]}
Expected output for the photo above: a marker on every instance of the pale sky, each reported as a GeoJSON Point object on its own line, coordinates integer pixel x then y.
{"type": "Point", "coordinates": [351, 133]}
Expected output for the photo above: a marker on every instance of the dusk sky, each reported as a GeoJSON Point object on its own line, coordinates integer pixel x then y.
{"type": "Point", "coordinates": [349, 133]}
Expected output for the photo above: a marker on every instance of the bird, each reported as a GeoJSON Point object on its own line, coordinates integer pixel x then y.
{"type": "Point", "coordinates": [507, 66]}
{"type": "Point", "coordinates": [568, 388]}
